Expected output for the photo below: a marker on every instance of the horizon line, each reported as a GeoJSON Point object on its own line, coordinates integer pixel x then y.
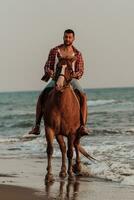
{"type": "Point", "coordinates": [92, 88]}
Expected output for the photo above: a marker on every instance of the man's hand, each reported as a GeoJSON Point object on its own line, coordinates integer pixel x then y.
{"type": "Point", "coordinates": [50, 72]}
{"type": "Point", "coordinates": [64, 66]}
{"type": "Point", "coordinates": [74, 74]}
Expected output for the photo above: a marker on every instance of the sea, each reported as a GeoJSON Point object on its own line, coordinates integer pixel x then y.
{"type": "Point", "coordinates": [110, 119]}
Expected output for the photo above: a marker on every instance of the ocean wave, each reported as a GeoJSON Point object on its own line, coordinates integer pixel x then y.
{"type": "Point", "coordinates": [95, 132]}
{"type": "Point", "coordinates": [18, 115]}
{"type": "Point", "coordinates": [130, 130]}
{"type": "Point", "coordinates": [9, 140]}
{"type": "Point", "coordinates": [115, 171]}
{"type": "Point", "coordinates": [114, 131]}
{"type": "Point", "coordinates": [23, 138]}
{"type": "Point", "coordinates": [113, 161]}
{"type": "Point", "coordinates": [14, 149]}
{"type": "Point", "coordinates": [4, 103]}
{"type": "Point", "coordinates": [100, 102]}
{"type": "Point", "coordinates": [99, 113]}
{"type": "Point", "coordinates": [22, 124]}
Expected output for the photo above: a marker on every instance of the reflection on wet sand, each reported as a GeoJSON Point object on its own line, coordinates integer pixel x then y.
{"type": "Point", "coordinates": [66, 190]}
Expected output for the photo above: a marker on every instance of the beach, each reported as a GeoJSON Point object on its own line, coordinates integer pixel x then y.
{"type": "Point", "coordinates": [23, 159]}
{"type": "Point", "coordinates": [24, 179]}
{"type": "Point", "coordinates": [15, 192]}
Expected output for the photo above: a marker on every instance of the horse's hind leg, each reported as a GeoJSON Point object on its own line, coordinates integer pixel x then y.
{"type": "Point", "coordinates": [63, 151]}
{"type": "Point", "coordinates": [49, 138]}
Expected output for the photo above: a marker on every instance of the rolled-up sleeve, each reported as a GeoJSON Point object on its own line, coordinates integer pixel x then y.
{"type": "Point", "coordinates": [50, 61]}
{"type": "Point", "coordinates": [79, 66]}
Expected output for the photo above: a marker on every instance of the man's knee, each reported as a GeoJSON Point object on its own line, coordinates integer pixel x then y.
{"type": "Point", "coordinates": [82, 97]}
{"type": "Point", "coordinates": [80, 93]}
{"type": "Point", "coordinates": [75, 84]}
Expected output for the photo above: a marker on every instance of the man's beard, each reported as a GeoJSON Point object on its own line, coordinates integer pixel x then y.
{"type": "Point", "coordinates": [68, 44]}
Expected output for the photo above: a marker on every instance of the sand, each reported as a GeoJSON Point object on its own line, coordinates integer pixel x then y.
{"type": "Point", "coordinates": [24, 179]}
{"type": "Point", "coordinates": [16, 192]}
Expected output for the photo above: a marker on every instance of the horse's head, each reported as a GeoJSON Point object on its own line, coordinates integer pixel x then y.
{"type": "Point", "coordinates": [64, 70]}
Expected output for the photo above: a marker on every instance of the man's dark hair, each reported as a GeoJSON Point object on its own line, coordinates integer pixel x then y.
{"type": "Point", "coordinates": [69, 31]}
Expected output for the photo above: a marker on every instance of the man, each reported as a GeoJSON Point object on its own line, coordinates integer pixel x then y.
{"type": "Point", "coordinates": [64, 50]}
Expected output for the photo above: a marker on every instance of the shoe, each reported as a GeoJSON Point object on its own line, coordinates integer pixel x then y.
{"type": "Point", "coordinates": [83, 131]}
{"type": "Point", "coordinates": [35, 130]}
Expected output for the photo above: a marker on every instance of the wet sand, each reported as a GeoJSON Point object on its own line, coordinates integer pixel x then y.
{"type": "Point", "coordinates": [24, 179]}
{"type": "Point", "coordinates": [16, 192]}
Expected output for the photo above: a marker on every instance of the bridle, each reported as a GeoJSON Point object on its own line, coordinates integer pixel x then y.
{"type": "Point", "coordinates": [67, 78]}
{"type": "Point", "coordinates": [66, 82]}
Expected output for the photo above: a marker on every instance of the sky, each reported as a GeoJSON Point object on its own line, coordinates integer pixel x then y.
{"type": "Point", "coordinates": [30, 28]}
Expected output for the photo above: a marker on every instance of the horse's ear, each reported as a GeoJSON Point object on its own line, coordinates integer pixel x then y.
{"type": "Point", "coordinates": [62, 61]}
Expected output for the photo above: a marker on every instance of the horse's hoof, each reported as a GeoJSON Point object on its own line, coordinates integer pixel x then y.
{"type": "Point", "coordinates": [71, 177]}
{"type": "Point", "coordinates": [62, 174]}
{"type": "Point", "coordinates": [49, 178]}
{"type": "Point", "coordinates": [77, 169]}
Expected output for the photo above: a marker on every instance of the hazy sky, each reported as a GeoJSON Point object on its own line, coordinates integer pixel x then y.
{"type": "Point", "coordinates": [30, 28]}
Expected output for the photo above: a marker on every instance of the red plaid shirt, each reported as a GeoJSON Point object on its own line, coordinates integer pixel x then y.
{"type": "Point", "coordinates": [79, 64]}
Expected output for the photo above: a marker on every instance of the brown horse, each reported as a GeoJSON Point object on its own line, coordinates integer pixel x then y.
{"type": "Point", "coordinates": [61, 113]}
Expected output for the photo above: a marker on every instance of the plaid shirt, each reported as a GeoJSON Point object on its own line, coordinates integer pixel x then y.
{"type": "Point", "coordinates": [79, 64]}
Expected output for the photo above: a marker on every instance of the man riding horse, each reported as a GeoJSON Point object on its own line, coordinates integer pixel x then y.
{"type": "Point", "coordinates": [65, 50]}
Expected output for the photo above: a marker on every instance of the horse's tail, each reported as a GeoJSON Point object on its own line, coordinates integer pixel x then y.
{"type": "Point", "coordinates": [83, 152]}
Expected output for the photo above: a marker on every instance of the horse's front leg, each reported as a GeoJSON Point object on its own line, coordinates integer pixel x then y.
{"type": "Point", "coordinates": [49, 138]}
{"type": "Point", "coordinates": [70, 156]}
{"type": "Point", "coordinates": [63, 151]}
{"type": "Point", "coordinates": [77, 166]}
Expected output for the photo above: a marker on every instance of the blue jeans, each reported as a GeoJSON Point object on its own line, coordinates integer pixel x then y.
{"type": "Point", "coordinates": [74, 83]}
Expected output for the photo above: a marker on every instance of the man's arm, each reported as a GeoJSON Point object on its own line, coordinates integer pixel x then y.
{"type": "Point", "coordinates": [49, 65]}
{"type": "Point", "coordinates": [50, 61]}
{"type": "Point", "coordinates": [79, 66]}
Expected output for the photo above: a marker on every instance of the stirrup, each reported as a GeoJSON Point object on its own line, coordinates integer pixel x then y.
{"type": "Point", "coordinates": [83, 131]}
